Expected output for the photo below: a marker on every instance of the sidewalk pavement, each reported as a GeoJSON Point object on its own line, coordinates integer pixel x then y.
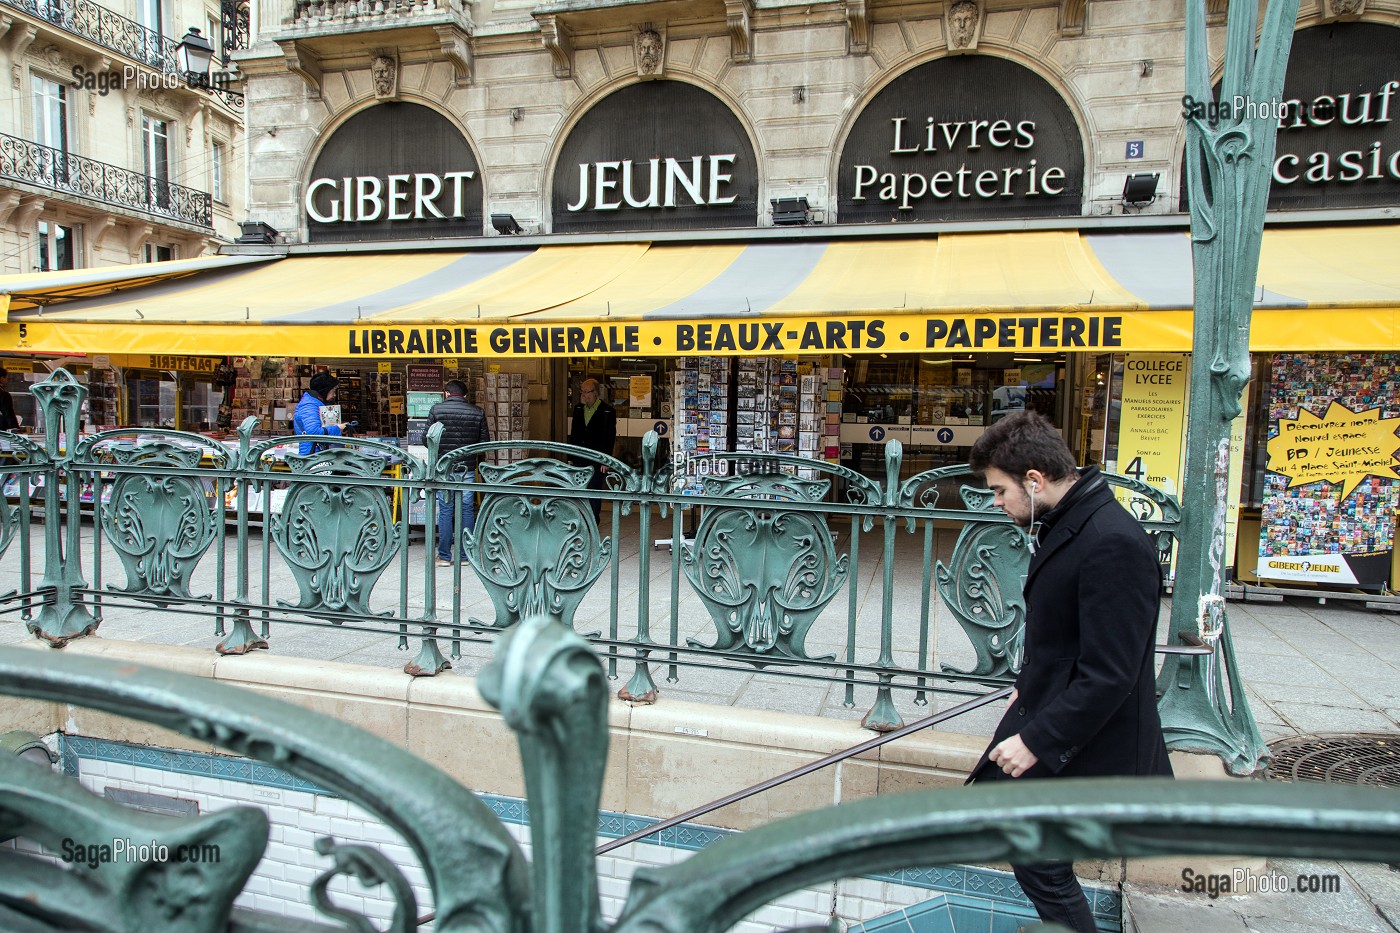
{"type": "Point", "coordinates": [1309, 668]}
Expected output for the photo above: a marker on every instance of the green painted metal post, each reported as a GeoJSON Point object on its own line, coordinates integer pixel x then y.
{"type": "Point", "coordinates": [883, 717]}
{"type": "Point", "coordinates": [60, 398]}
{"type": "Point", "coordinates": [429, 661]}
{"type": "Point", "coordinates": [242, 639]}
{"type": "Point", "coordinates": [1229, 169]}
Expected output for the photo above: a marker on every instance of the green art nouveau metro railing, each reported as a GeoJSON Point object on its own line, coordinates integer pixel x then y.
{"type": "Point", "coordinates": [552, 690]}
{"type": "Point", "coordinates": [762, 562]}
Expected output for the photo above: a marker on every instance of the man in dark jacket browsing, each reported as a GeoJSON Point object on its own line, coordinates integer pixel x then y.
{"type": "Point", "coordinates": [594, 426]}
{"type": "Point", "coordinates": [462, 424]}
{"type": "Point", "coordinates": [1085, 701]}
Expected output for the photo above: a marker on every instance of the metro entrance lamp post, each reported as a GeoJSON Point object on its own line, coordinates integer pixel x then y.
{"type": "Point", "coordinates": [1228, 170]}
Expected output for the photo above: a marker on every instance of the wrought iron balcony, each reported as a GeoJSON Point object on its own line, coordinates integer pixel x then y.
{"type": "Point", "coordinates": [27, 161]}
{"type": "Point", "coordinates": [98, 24]}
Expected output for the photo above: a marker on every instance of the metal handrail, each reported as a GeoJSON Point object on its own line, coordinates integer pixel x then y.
{"type": "Point", "coordinates": [835, 757]}
{"type": "Point", "coordinates": [781, 779]}
{"type": "Point", "coordinates": [28, 161]}
{"type": "Point", "coordinates": [806, 769]}
{"type": "Point", "coordinates": [826, 761]}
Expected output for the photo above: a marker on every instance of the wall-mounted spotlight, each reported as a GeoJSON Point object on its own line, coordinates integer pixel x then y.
{"type": "Point", "coordinates": [257, 232]}
{"type": "Point", "coordinates": [1140, 189]}
{"type": "Point", "coordinates": [505, 224]}
{"type": "Point", "coordinates": [790, 212]}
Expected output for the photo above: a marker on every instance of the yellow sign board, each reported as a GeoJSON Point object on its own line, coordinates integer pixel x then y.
{"type": "Point", "coordinates": [1342, 447]}
{"type": "Point", "coordinates": [1032, 331]}
{"type": "Point", "coordinates": [385, 366]}
{"type": "Point", "coordinates": [1152, 422]}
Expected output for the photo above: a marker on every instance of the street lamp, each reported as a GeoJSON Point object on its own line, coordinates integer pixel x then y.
{"type": "Point", "coordinates": [195, 55]}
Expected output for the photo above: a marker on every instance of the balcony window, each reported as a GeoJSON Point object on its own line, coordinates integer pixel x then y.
{"type": "Point", "coordinates": [216, 163]}
{"type": "Point", "coordinates": [57, 247]}
{"type": "Point", "coordinates": [50, 128]}
{"type": "Point", "coordinates": [156, 253]}
{"type": "Point", "coordinates": [152, 16]}
{"type": "Point", "coordinates": [155, 152]}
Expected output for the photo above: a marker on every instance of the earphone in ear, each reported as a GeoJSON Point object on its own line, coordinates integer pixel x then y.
{"type": "Point", "coordinates": [1034, 485]}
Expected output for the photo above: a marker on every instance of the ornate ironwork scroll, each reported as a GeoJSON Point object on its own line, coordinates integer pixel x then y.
{"type": "Point", "coordinates": [551, 690]}
{"type": "Point", "coordinates": [67, 616]}
{"type": "Point", "coordinates": [105, 27]}
{"type": "Point", "coordinates": [159, 522]}
{"type": "Point", "coordinates": [764, 573]}
{"type": "Point", "coordinates": [535, 552]}
{"type": "Point", "coordinates": [136, 894]}
{"type": "Point", "coordinates": [31, 162]}
{"type": "Point", "coordinates": [477, 873]}
{"type": "Point", "coordinates": [981, 586]}
{"type": "Point", "coordinates": [21, 452]}
{"type": "Point", "coordinates": [336, 538]}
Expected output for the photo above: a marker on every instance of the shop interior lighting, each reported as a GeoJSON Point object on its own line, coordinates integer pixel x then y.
{"type": "Point", "coordinates": [1140, 189]}
{"type": "Point", "coordinates": [1026, 359]}
{"type": "Point", "coordinates": [505, 224]}
{"type": "Point", "coordinates": [788, 212]}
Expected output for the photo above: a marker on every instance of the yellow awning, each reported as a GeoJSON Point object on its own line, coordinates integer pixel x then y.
{"type": "Point", "coordinates": [19, 292]}
{"type": "Point", "coordinates": [1319, 289]}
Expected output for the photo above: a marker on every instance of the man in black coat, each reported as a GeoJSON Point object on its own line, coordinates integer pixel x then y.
{"type": "Point", "coordinates": [462, 423]}
{"type": "Point", "coordinates": [594, 425]}
{"type": "Point", "coordinates": [8, 421]}
{"type": "Point", "coordinates": [1085, 702]}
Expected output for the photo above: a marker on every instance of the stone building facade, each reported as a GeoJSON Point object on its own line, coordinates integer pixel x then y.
{"type": "Point", "coordinates": [516, 79]}
{"type": "Point", "coordinates": [107, 157]}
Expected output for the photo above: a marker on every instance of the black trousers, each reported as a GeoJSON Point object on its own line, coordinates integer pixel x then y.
{"type": "Point", "coordinates": [1056, 894]}
{"type": "Point", "coordinates": [1050, 886]}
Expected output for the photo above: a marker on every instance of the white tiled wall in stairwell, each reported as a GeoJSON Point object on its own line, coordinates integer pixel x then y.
{"type": "Point", "coordinates": [281, 884]}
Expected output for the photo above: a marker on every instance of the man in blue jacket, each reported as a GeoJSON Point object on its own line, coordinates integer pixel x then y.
{"type": "Point", "coordinates": [307, 419]}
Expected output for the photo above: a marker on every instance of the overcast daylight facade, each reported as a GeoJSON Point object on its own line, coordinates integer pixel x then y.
{"type": "Point", "coordinates": [765, 227]}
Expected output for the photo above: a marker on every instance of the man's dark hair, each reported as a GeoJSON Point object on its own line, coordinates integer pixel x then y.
{"type": "Point", "coordinates": [1021, 442]}
{"type": "Point", "coordinates": [456, 387]}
